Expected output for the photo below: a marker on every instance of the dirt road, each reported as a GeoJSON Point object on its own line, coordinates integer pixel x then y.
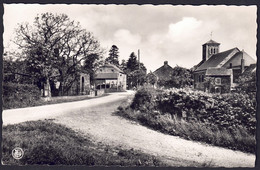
{"type": "Point", "coordinates": [95, 120]}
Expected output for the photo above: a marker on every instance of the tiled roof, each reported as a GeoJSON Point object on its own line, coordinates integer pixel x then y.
{"type": "Point", "coordinates": [163, 72]}
{"type": "Point", "coordinates": [112, 66]}
{"type": "Point", "coordinates": [212, 42]}
{"type": "Point", "coordinates": [215, 60]}
{"type": "Point", "coordinates": [218, 72]}
{"type": "Point", "coordinates": [106, 76]}
{"type": "Point", "coordinates": [236, 59]}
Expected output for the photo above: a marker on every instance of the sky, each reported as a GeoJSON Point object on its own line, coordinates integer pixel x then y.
{"type": "Point", "coordinates": [162, 32]}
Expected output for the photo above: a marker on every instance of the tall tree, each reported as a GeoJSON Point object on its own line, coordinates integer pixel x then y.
{"type": "Point", "coordinates": [54, 48]}
{"type": "Point", "coordinates": [113, 55]}
{"type": "Point", "coordinates": [123, 65]}
{"type": "Point", "coordinates": [132, 63]}
{"type": "Point", "coordinates": [135, 76]}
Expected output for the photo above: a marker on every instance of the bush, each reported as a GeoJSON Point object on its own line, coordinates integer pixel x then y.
{"type": "Point", "coordinates": [19, 95]}
{"type": "Point", "coordinates": [226, 120]}
{"type": "Point", "coordinates": [224, 110]}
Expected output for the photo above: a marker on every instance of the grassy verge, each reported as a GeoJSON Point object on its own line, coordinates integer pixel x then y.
{"type": "Point", "coordinates": [48, 143]}
{"type": "Point", "coordinates": [238, 139]}
{"type": "Point", "coordinates": [54, 100]}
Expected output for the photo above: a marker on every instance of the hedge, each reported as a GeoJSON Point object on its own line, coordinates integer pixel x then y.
{"type": "Point", "coordinates": [224, 110]}
{"type": "Point", "coordinates": [20, 95]}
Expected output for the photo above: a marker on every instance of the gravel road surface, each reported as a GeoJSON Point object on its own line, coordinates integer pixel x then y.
{"type": "Point", "coordinates": [94, 119]}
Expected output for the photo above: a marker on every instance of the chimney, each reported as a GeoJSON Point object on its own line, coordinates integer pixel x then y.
{"type": "Point", "coordinates": [165, 63]}
{"type": "Point", "coordinates": [242, 65]}
{"type": "Point", "coordinates": [242, 62]}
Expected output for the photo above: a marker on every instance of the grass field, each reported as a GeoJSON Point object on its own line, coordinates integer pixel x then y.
{"type": "Point", "coordinates": [48, 143]}
{"type": "Point", "coordinates": [53, 100]}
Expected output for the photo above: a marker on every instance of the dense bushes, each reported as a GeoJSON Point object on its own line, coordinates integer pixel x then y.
{"type": "Point", "coordinates": [224, 110]}
{"type": "Point", "coordinates": [225, 120]}
{"type": "Point", "coordinates": [19, 95]}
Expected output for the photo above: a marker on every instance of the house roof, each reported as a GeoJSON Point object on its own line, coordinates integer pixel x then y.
{"type": "Point", "coordinates": [164, 71]}
{"type": "Point", "coordinates": [106, 76]}
{"type": "Point", "coordinates": [218, 71]}
{"type": "Point", "coordinates": [215, 59]}
{"type": "Point", "coordinates": [211, 42]}
{"type": "Point", "coordinates": [236, 59]}
{"type": "Point", "coordinates": [109, 65]}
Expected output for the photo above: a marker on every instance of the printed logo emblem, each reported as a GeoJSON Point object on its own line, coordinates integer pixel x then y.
{"type": "Point", "coordinates": [17, 153]}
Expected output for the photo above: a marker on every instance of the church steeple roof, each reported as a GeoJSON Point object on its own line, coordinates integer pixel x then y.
{"type": "Point", "coordinates": [212, 42]}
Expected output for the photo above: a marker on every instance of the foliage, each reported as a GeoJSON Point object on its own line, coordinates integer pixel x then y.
{"type": "Point", "coordinates": [54, 47]}
{"type": "Point", "coordinates": [179, 78]}
{"type": "Point", "coordinates": [132, 63]}
{"type": "Point", "coordinates": [48, 143]}
{"type": "Point", "coordinates": [247, 82]}
{"type": "Point", "coordinates": [225, 120]}
{"type": "Point", "coordinates": [19, 95]}
{"type": "Point", "coordinates": [15, 70]}
{"type": "Point", "coordinates": [135, 75]}
{"type": "Point", "coordinates": [151, 78]}
{"type": "Point", "coordinates": [91, 63]}
{"type": "Point", "coordinates": [113, 55]}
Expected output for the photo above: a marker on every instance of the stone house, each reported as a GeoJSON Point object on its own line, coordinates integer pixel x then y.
{"type": "Point", "coordinates": [82, 85]}
{"type": "Point", "coordinates": [219, 71]}
{"type": "Point", "coordinates": [79, 87]}
{"type": "Point", "coordinates": [110, 77]}
{"type": "Point", "coordinates": [164, 72]}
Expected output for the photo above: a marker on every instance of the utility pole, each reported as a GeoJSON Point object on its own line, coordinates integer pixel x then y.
{"type": "Point", "coordinates": [138, 82]}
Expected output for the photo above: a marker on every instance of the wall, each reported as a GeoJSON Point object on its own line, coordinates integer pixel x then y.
{"type": "Point", "coordinates": [199, 80]}
{"type": "Point", "coordinates": [84, 85]}
{"type": "Point", "coordinates": [212, 87]}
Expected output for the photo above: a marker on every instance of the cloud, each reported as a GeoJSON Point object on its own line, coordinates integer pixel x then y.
{"type": "Point", "coordinates": [161, 32]}
{"type": "Point", "coordinates": [184, 28]}
{"type": "Point", "coordinates": [125, 36]}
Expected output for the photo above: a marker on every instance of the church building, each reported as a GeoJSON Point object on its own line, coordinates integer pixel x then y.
{"type": "Point", "coordinates": [218, 72]}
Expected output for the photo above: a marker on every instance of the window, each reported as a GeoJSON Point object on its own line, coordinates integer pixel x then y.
{"type": "Point", "coordinates": [218, 81]}
{"type": "Point", "coordinates": [112, 70]}
{"type": "Point", "coordinates": [100, 70]}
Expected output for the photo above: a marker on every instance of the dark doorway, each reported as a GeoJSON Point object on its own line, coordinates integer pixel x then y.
{"type": "Point", "coordinates": [82, 84]}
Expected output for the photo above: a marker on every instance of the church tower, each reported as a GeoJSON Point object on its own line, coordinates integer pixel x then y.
{"type": "Point", "coordinates": [209, 48]}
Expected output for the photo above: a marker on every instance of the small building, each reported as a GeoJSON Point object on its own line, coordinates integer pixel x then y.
{"type": "Point", "coordinates": [81, 86]}
{"type": "Point", "coordinates": [110, 77]}
{"type": "Point", "coordinates": [164, 72]}
{"type": "Point", "coordinates": [224, 67]}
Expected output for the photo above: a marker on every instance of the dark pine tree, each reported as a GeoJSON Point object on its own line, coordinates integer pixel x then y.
{"type": "Point", "coordinates": [113, 55]}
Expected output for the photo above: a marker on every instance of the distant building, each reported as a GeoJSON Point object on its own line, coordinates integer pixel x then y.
{"type": "Point", "coordinates": [110, 76]}
{"type": "Point", "coordinates": [219, 71]}
{"type": "Point", "coordinates": [164, 72]}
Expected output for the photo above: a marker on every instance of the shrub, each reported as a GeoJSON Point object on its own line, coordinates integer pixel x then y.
{"type": "Point", "coordinates": [19, 95]}
{"type": "Point", "coordinates": [221, 119]}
